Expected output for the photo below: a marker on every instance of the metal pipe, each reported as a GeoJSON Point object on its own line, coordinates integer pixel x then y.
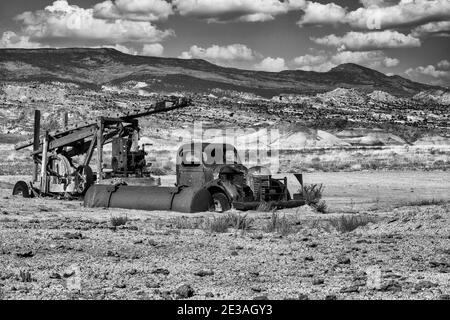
{"type": "Point", "coordinates": [44, 183]}
{"type": "Point", "coordinates": [183, 199]}
{"type": "Point", "coordinates": [36, 142]}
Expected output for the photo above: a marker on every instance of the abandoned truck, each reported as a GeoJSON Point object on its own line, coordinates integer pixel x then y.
{"type": "Point", "coordinates": [210, 177]}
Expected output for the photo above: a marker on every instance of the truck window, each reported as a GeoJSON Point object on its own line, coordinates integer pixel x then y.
{"type": "Point", "coordinates": [191, 158]}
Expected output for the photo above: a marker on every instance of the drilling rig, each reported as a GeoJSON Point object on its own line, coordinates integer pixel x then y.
{"type": "Point", "coordinates": [55, 173]}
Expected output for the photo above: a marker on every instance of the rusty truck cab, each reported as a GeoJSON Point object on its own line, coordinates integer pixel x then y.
{"type": "Point", "coordinates": [200, 163]}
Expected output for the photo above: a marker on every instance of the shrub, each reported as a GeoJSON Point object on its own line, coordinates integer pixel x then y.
{"type": "Point", "coordinates": [321, 207]}
{"type": "Point", "coordinates": [119, 221]}
{"type": "Point", "coordinates": [218, 224]}
{"type": "Point", "coordinates": [265, 206]}
{"type": "Point", "coordinates": [25, 276]}
{"type": "Point", "coordinates": [426, 202]}
{"type": "Point", "coordinates": [350, 223]}
{"type": "Point", "coordinates": [239, 222]}
{"type": "Point", "coordinates": [277, 224]}
{"type": "Point", "coordinates": [312, 193]}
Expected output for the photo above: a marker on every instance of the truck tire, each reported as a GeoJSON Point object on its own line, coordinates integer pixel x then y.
{"type": "Point", "coordinates": [84, 179]}
{"type": "Point", "coordinates": [21, 188]}
{"type": "Point", "coordinates": [221, 203]}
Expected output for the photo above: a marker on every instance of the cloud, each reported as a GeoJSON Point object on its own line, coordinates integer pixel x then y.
{"type": "Point", "coordinates": [432, 29]}
{"type": "Point", "coordinates": [444, 64]}
{"type": "Point", "coordinates": [231, 55]}
{"type": "Point", "coordinates": [324, 61]}
{"type": "Point", "coordinates": [10, 39]}
{"type": "Point", "coordinates": [138, 10]}
{"type": "Point", "coordinates": [378, 14]}
{"type": "Point", "coordinates": [236, 10]}
{"type": "Point", "coordinates": [429, 70]}
{"type": "Point", "coordinates": [404, 13]}
{"type": "Point", "coordinates": [438, 74]}
{"type": "Point", "coordinates": [372, 59]}
{"type": "Point", "coordinates": [322, 14]}
{"type": "Point", "coordinates": [271, 64]}
{"type": "Point", "coordinates": [123, 49]}
{"type": "Point", "coordinates": [155, 49]}
{"type": "Point", "coordinates": [63, 24]}
{"type": "Point", "coordinates": [377, 3]}
{"type": "Point", "coordinates": [375, 40]}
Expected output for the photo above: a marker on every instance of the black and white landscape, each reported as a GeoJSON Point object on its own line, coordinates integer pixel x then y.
{"type": "Point", "coordinates": [357, 93]}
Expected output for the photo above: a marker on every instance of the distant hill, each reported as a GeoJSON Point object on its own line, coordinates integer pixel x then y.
{"type": "Point", "coordinates": [97, 67]}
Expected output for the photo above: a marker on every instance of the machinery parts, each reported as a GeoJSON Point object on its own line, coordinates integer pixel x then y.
{"type": "Point", "coordinates": [217, 168]}
{"type": "Point", "coordinates": [181, 199]}
{"type": "Point", "coordinates": [21, 189]}
{"type": "Point", "coordinates": [54, 170]}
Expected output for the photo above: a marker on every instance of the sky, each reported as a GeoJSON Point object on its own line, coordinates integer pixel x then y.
{"type": "Point", "coordinates": [410, 38]}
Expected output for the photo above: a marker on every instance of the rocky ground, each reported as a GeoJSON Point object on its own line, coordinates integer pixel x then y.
{"type": "Point", "coordinates": [54, 249]}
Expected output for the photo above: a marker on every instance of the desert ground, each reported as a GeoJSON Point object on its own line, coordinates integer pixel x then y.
{"type": "Point", "coordinates": [385, 235]}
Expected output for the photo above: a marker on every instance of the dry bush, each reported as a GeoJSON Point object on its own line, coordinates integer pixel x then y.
{"type": "Point", "coordinates": [25, 276]}
{"type": "Point", "coordinates": [187, 223]}
{"type": "Point", "coordinates": [350, 223]}
{"type": "Point", "coordinates": [426, 202]}
{"type": "Point", "coordinates": [218, 224]}
{"type": "Point", "coordinates": [264, 206]}
{"type": "Point", "coordinates": [312, 193]}
{"type": "Point", "coordinates": [118, 221]}
{"type": "Point", "coordinates": [231, 220]}
{"type": "Point", "coordinates": [282, 225]}
{"type": "Point", "coordinates": [239, 222]}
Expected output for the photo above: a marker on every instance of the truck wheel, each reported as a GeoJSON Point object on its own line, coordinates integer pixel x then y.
{"type": "Point", "coordinates": [221, 203]}
{"type": "Point", "coordinates": [21, 189]}
{"type": "Point", "coordinates": [84, 179]}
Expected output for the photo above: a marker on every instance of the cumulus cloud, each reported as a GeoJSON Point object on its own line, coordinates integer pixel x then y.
{"type": "Point", "coordinates": [406, 12]}
{"type": "Point", "coordinates": [444, 64]}
{"type": "Point", "coordinates": [436, 29]}
{"type": "Point", "coordinates": [319, 62]}
{"type": "Point", "coordinates": [10, 39]}
{"type": "Point", "coordinates": [154, 49]}
{"type": "Point", "coordinates": [324, 61]}
{"type": "Point", "coordinates": [377, 3]}
{"type": "Point", "coordinates": [428, 71]}
{"type": "Point", "coordinates": [139, 10]}
{"type": "Point", "coordinates": [64, 24]}
{"type": "Point", "coordinates": [231, 55]}
{"type": "Point", "coordinates": [375, 40]}
{"type": "Point", "coordinates": [317, 14]}
{"type": "Point", "coordinates": [372, 59]}
{"type": "Point", "coordinates": [271, 64]}
{"type": "Point", "coordinates": [438, 74]}
{"type": "Point", "coordinates": [236, 10]}
{"type": "Point", "coordinates": [378, 14]}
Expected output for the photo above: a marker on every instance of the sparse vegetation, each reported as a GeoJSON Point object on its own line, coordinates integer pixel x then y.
{"type": "Point", "coordinates": [25, 276]}
{"type": "Point", "coordinates": [265, 206]}
{"type": "Point", "coordinates": [218, 224]}
{"type": "Point", "coordinates": [350, 223]}
{"type": "Point", "coordinates": [312, 194]}
{"type": "Point", "coordinates": [282, 225]}
{"type": "Point", "coordinates": [118, 221]}
{"type": "Point", "coordinates": [426, 202]}
{"type": "Point", "coordinates": [239, 222]}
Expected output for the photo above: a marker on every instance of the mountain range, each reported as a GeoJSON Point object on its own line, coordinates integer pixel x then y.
{"type": "Point", "coordinates": [95, 68]}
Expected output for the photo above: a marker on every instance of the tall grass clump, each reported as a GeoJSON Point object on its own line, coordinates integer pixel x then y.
{"type": "Point", "coordinates": [350, 223]}
{"type": "Point", "coordinates": [278, 224]}
{"type": "Point", "coordinates": [312, 193]}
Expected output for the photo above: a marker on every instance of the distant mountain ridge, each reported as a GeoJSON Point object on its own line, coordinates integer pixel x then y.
{"type": "Point", "coordinates": [97, 67]}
